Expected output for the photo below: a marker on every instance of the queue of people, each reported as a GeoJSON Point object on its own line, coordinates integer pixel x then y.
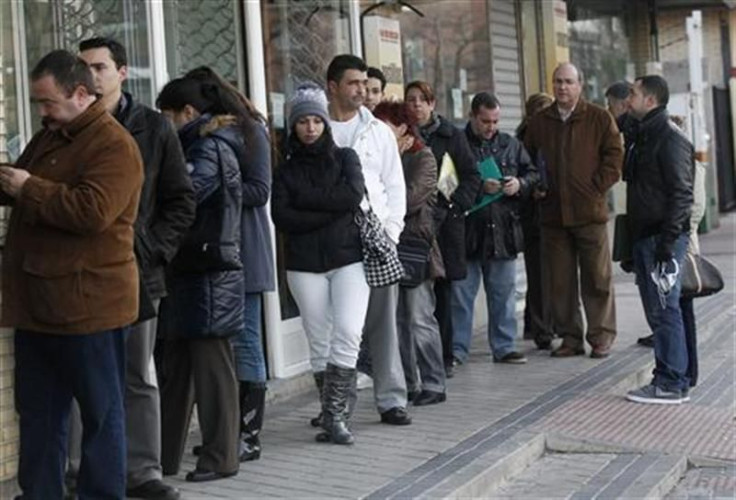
{"type": "Point", "coordinates": [161, 239]}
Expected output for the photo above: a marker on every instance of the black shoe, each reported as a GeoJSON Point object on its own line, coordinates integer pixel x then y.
{"type": "Point", "coordinates": [202, 475]}
{"type": "Point", "coordinates": [156, 489]}
{"type": "Point", "coordinates": [396, 416]}
{"type": "Point", "coordinates": [430, 398]}
{"type": "Point", "coordinates": [412, 395]}
{"type": "Point", "coordinates": [543, 344]}
{"type": "Point", "coordinates": [197, 450]}
{"type": "Point", "coordinates": [449, 370]}
{"type": "Point", "coordinates": [647, 341]}
{"type": "Point", "coordinates": [512, 358]}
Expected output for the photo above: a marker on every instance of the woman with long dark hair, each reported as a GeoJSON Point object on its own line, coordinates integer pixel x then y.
{"type": "Point", "coordinates": [252, 148]}
{"type": "Point", "coordinates": [316, 193]}
{"type": "Point", "coordinates": [206, 288]}
{"type": "Point", "coordinates": [419, 335]}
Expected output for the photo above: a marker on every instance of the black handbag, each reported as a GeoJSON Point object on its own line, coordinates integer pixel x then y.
{"type": "Point", "coordinates": [622, 244]}
{"type": "Point", "coordinates": [700, 277]}
{"type": "Point", "coordinates": [414, 257]}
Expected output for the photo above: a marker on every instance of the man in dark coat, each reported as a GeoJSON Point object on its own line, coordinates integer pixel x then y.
{"type": "Point", "coordinates": [493, 235]}
{"type": "Point", "coordinates": [70, 283]}
{"type": "Point", "coordinates": [166, 211]}
{"type": "Point", "coordinates": [659, 196]}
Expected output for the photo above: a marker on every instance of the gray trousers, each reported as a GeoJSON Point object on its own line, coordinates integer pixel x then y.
{"type": "Point", "coordinates": [419, 338]}
{"type": "Point", "coordinates": [142, 409]}
{"type": "Point", "coordinates": [380, 335]}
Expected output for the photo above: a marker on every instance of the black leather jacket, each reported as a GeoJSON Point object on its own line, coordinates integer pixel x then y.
{"type": "Point", "coordinates": [659, 173]}
{"type": "Point", "coordinates": [167, 206]}
{"type": "Point", "coordinates": [494, 231]}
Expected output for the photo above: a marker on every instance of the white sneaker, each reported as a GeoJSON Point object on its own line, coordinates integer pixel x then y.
{"type": "Point", "coordinates": [364, 381]}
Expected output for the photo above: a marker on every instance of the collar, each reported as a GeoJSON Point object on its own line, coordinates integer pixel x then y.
{"type": "Point", "coordinates": [75, 127]}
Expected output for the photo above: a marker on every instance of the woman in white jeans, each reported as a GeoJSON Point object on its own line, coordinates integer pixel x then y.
{"type": "Point", "coordinates": [316, 193]}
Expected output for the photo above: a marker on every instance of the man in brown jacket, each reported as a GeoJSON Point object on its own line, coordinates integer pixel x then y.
{"type": "Point", "coordinates": [70, 282]}
{"type": "Point", "coordinates": [580, 146]}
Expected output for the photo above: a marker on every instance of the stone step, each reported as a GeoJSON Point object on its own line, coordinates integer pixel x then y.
{"type": "Point", "coordinates": [706, 482]}
{"type": "Point", "coordinates": [581, 476]}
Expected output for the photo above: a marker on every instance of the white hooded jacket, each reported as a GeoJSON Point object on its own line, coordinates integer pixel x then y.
{"type": "Point", "coordinates": [379, 156]}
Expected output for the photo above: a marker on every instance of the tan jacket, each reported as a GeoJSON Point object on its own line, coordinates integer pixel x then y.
{"type": "Point", "coordinates": [68, 265]}
{"type": "Point", "coordinates": [583, 158]}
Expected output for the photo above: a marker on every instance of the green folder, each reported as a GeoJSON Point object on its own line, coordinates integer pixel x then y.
{"type": "Point", "coordinates": [488, 170]}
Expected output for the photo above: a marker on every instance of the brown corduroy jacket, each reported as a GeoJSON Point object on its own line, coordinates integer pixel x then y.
{"type": "Point", "coordinates": [583, 158]}
{"type": "Point", "coordinates": [68, 264]}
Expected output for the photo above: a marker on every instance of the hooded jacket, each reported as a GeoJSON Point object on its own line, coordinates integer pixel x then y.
{"type": "Point", "coordinates": [208, 303]}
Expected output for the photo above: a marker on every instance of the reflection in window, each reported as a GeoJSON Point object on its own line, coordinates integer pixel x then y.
{"type": "Point", "coordinates": [204, 34]}
{"type": "Point", "coordinates": [62, 24]}
{"type": "Point", "coordinates": [300, 40]}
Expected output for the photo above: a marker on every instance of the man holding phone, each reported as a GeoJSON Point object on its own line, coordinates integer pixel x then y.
{"type": "Point", "coordinates": [493, 235]}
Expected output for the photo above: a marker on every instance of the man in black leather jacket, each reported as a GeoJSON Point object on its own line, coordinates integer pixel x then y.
{"type": "Point", "coordinates": [165, 212]}
{"type": "Point", "coordinates": [659, 176]}
{"type": "Point", "coordinates": [493, 236]}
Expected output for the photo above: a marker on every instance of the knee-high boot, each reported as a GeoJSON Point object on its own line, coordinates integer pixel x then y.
{"type": "Point", "coordinates": [319, 380]}
{"type": "Point", "coordinates": [252, 406]}
{"type": "Point", "coordinates": [338, 382]}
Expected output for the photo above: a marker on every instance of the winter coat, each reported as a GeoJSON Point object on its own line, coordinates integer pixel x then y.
{"type": "Point", "coordinates": [583, 158]}
{"type": "Point", "coordinates": [420, 176]}
{"type": "Point", "coordinates": [375, 144]}
{"type": "Point", "coordinates": [208, 303]}
{"type": "Point", "coordinates": [316, 193]}
{"type": "Point", "coordinates": [659, 181]}
{"type": "Point", "coordinates": [443, 137]}
{"type": "Point", "coordinates": [254, 157]}
{"type": "Point", "coordinates": [68, 262]}
{"type": "Point", "coordinates": [494, 231]}
{"type": "Point", "coordinates": [167, 199]}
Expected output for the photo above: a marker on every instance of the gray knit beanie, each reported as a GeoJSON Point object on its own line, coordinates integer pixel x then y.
{"type": "Point", "coordinates": [308, 99]}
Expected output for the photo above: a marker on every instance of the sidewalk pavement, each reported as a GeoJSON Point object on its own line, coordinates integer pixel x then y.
{"type": "Point", "coordinates": [553, 428]}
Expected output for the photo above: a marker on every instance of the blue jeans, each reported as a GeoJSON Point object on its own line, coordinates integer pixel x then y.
{"type": "Point", "coordinates": [670, 349]}
{"type": "Point", "coordinates": [49, 371]}
{"type": "Point", "coordinates": [250, 365]}
{"type": "Point", "coordinates": [499, 281]}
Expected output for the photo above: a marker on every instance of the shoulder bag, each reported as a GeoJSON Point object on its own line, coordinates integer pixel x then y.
{"type": "Point", "coordinates": [700, 277]}
{"type": "Point", "coordinates": [380, 260]}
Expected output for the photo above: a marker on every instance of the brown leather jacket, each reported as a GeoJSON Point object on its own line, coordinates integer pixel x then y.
{"type": "Point", "coordinates": [582, 157]}
{"type": "Point", "coordinates": [68, 265]}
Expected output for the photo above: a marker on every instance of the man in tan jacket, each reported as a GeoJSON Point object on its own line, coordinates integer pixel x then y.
{"type": "Point", "coordinates": [579, 144]}
{"type": "Point", "coordinates": [70, 282]}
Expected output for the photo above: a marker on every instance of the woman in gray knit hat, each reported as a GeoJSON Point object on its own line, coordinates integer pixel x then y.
{"type": "Point", "coordinates": [316, 193]}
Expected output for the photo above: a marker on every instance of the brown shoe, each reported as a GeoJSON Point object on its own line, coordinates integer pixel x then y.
{"type": "Point", "coordinates": [601, 351]}
{"type": "Point", "coordinates": [567, 352]}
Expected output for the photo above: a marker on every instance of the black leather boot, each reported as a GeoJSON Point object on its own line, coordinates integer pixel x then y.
{"type": "Point", "coordinates": [319, 380]}
{"type": "Point", "coordinates": [337, 385]}
{"type": "Point", "coordinates": [252, 405]}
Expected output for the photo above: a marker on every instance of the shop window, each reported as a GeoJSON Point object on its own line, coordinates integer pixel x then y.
{"type": "Point", "coordinates": [202, 33]}
{"type": "Point", "coordinates": [449, 47]}
{"type": "Point", "coordinates": [62, 24]}
{"type": "Point", "coordinates": [300, 40]}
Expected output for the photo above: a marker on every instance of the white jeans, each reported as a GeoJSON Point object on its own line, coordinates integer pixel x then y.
{"type": "Point", "coordinates": [333, 306]}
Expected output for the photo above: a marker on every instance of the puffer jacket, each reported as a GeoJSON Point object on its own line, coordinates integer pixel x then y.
{"type": "Point", "coordinates": [420, 176]}
{"type": "Point", "coordinates": [208, 304]}
{"type": "Point", "coordinates": [316, 193]}
{"type": "Point", "coordinates": [443, 137]}
{"type": "Point", "coordinates": [494, 231]}
{"type": "Point", "coordinates": [659, 181]}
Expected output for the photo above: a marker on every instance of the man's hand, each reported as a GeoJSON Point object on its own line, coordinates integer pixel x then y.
{"type": "Point", "coordinates": [12, 180]}
{"type": "Point", "coordinates": [511, 186]}
{"type": "Point", "coordinates": [491, 186]}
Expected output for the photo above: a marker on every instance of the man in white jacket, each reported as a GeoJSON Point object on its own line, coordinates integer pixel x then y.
{"type": "Point", "coordinates": [354, 126]}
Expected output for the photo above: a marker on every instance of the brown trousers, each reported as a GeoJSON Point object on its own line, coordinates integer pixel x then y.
{"type": "Point", "coordinates": [201, 371]}
{"type": "Point", "coordinates": [565, 251]}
